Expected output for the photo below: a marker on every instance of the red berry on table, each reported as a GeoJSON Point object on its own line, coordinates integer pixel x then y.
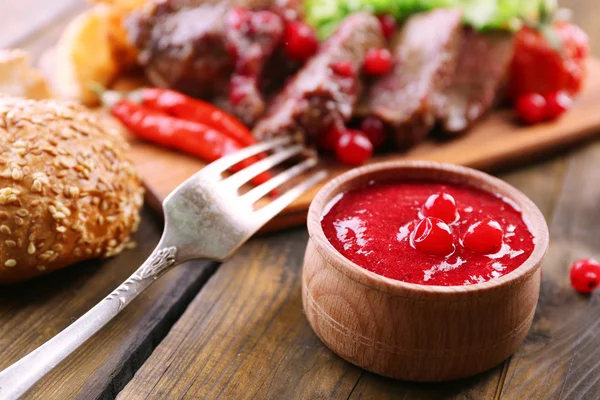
{"type": "Point", "coordinates": [388, 25]}
{"type": "Point", "coordinates": [484, 237]}
{"type": "Point", "coordinates": [329, 139]}
{"type": "Point", "coordinates": [343, 68]}
{"type": "Point", "coordinates": [374, 128]}
{"type": "Point", "coordinates": [300, 41]}
{"type": "Point", "coordinates": [585, 275]}
{"type": "Point", "coordinates": [557, 103]}
{"type": "Point", "coordinates": [432, 236]}
{"type": "Point", "coordinates": [378, 61]}
{"type": "Point", "coordinates": [353, 148]}
{"type": "Point", "coordinates": [531, 108]}
{"type": "Point", "coordinates": [442, 206]}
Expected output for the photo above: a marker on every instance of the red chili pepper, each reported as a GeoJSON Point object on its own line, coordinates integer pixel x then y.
{"type": "Point", "coordinates": [179, 105]}
{"type": "Point", "coordinates": [187, 136]}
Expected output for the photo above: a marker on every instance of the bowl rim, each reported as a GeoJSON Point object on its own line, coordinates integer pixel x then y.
{"type": "Point", "coordinates": [530, 212]}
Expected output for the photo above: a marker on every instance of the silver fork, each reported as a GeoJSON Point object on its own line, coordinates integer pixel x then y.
{"type": "Point", "coordinates": [205, 217]}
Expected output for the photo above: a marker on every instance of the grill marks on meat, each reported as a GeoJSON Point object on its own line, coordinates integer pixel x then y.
{"type": "Point", "coordinates": [425, 53]}
{"type": "Point", "coordinates": [316, 97]}
{"type": "Point", "coordinates": [482, 65]}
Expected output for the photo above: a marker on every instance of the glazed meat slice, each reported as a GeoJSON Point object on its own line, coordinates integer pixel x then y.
{"type": "Point", "coordinates": [480, 72]}
{"type": "Point", "coordinates": [425, 53]}
{"type": "Point", "coordinates": [325, 91]}
{"type": "Point", "coordinates": [253, 37]}
{"type": "Point", "coordinates": [186, 44]}
{"type": "Point", "coordinates": [182, 45]}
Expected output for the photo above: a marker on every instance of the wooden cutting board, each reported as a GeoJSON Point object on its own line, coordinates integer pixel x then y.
{"type": "Point", "coordinates": [496, 142]}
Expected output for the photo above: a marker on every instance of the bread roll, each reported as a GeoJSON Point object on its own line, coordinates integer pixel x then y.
{"type": "Point", "coordinates": [67, 189]}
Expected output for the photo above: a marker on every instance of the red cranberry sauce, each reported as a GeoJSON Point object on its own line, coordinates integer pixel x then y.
{"type": "Point", "coordinates": [375, 227]}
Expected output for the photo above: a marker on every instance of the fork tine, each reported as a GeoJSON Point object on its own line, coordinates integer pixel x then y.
{"type": "Point", "coordinates": [229, 161]}
{"type": "Point", "coordinates": [260, 191]}
{"type": "Point", "coordinates": [239, 178]}
{"type": "Point", "coordinates": [277, 205]}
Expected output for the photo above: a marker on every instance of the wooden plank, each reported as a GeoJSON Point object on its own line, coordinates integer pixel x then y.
{"type": "Point", "coordinates": [495, 143]}
{"type": "Point", "coordinates": [560, 357]}
{"type": "Point", "coordinates": [245, 333]}
{"type": "Point", "coordinates": [33, 312]}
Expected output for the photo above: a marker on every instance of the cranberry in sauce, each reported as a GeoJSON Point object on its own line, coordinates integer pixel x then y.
{"type": "Point", "coordinates": [432, 236]}
{"type": "Point", "coordinates": [382, 228]}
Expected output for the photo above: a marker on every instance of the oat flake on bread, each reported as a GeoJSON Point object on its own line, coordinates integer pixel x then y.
{"type": "Point", "coordinates": [68, 192]}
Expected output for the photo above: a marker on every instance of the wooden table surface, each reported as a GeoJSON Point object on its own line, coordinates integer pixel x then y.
{"type": "Point", "coordinates": [236, 330]}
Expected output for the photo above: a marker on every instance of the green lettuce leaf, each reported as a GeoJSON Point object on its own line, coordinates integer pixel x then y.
{"type": "Point", "coordinates": [326, 15]}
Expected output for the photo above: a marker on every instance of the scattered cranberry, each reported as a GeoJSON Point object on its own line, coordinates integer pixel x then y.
{"type": "Point", "coordinates": [374, 128]}
{"type": "Point", "coordinates": [330, 138]}
{"type": "Point", "coordinates": [484, 237]}
{"type": "Point", "coordinates": [585, 275]}
{"type": "Point", "coordinates": [432, 236]}
{"type": "Point", "coordinates": [344, 68]}
{"type": "Point", "coordinates": [353, 148]}
{"type": "Point", "coordinates": [378, 62]}
{"type": "Point", "coordinates": [557, 103]}
{"type": "Point", "coordinates": [388, 25]}
{"type": "Point", "coordinates": [442, 206]}
{"type": "Point", "coordinates": [531, 108]}
{"type": "Point", "coordinates": [300, 41]}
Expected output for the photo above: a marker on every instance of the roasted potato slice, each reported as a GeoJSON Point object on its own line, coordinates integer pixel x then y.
{"type": "Point", "coordinates": [92, 48]}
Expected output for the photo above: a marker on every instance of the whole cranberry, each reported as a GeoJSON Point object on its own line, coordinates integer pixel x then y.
{"type": "Point", "coordinates": [585, 275]}
{"type": "Point", "coordinates": [557, 104]}
{"type": "Point", "coordinates": [433, 236]}
{"type": "Point", "coordinates": [378, 62]}
{"type": "Point", "coordinates": [532, 108]}
{"type": "Point", "coordinates": [441, 205]}
{"type": "Point", "coordinates": [344, 69]}
{"type": "Point", "coordinates": [300, 41]}
{"type": "Point", "coordinates": [374, 128]}
{"type": "Point", "coordinates": [484, 237]}
{"type": "Point", "coordinates": [353, 148]}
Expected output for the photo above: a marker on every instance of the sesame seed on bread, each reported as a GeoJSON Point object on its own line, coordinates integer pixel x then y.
{"type": "Point", "coordinates": [68, 192]}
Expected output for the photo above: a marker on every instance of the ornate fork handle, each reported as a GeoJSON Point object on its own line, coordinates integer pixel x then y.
{"type": "Point", "coordinates": [19, 377]}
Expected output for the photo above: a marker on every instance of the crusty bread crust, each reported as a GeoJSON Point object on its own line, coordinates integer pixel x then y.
{"type": "Point", "coordinates": [68, 192]}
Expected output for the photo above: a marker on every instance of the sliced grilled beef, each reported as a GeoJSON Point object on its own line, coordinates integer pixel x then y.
{"type": "Point", "coordinates": [252, 36]}
{"type": "Point", "coordinates": [182, 45]}
{"type": "Point", "coordinates": [186, 45]}
{"type": "Point", "coordinates": [325, 91]}
{"type": "Point", "coordinates": [480, 72]}
{"type": "Point", "coordinates": [425, 53]}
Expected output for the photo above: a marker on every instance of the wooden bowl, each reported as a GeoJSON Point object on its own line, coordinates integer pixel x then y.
{"type": "Point", "coordinates": [410, 331]}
